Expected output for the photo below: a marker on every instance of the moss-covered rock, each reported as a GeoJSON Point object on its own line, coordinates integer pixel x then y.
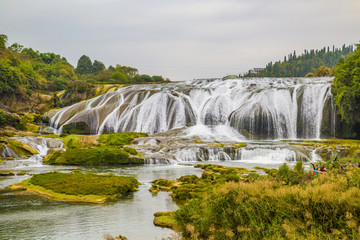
{"type": "Point", "coordinates": [239, 145]}
{"type": "Point", "coordinates": [191, 186]}
{"type": "Point", "coordinates": [21, 149]}
{"type": "Point", "coordinates": [5, 173]}
{"type": "Point", "coordinates": [92, 157]}
{"type": "Point", "coordinates": [165, 219]}
{"type": "Point", "coordinates": [106, 149]}
{"type": "Point", "coordinates": [77, 128]}
{"type": "Point", "coordinates": [79, 187]}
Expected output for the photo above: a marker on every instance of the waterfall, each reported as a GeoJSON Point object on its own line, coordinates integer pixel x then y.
{"type": "Point", "coordinates": [42, 145]}
{"type": "Point", "coordinates": [8, 152]}
{"type": "Point", "coordinates": [255, 108]}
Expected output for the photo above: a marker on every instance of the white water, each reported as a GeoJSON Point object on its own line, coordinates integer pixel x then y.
{"type": "Point", "coordinates": [264, 108]}
{"type": "Point", "coordinates": [42, 146]}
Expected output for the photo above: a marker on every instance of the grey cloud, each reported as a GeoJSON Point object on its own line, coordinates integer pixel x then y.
{"type": "Point", "coordinates": [180, 39]}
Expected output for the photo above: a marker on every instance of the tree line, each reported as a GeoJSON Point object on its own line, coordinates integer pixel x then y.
{"type": "Point", "coordinates": [295, 65]}
{"type": "Point", "coordinates": [96, 72]}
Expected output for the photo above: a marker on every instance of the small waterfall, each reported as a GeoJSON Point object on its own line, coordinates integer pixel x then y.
{"type": "Point", "coordinates": [267, 108]}
{"type": "Point", "coordinates": [268, 154]}
{"type": "Point", "coordinates": [206, 154]}
{"type": "Point", "coordinates": [42, 145]}
{"type": "Point", "coordinates": [8, 152]}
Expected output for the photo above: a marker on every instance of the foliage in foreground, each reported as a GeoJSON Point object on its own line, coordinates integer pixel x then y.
{"type": "Point", "coordinates": [327, 207]}
{"type": "Point", "coordinates": [77, 183]}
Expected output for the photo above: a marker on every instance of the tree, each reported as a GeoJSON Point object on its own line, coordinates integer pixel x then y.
{"type": "Point", "coordinates": [157, 79]}
{"type": "Point", "coordinates": [97, 66]}
{"type": "Point", "coordinates": [119, 77]}
{"type": "Point", "coordinates": [347, 87]}
{"type": "Point", "coordinates": [84, 65]}
{"type": "Point", "coordinates": [3, 41]}
{"type": "Point", "coordinates": [16, 47]}
{"type": "Point", "coordinates": [129, 71]}
{"type": "Point", "coordinates": [145, 78]}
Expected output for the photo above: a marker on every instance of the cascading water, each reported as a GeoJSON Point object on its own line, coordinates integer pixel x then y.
{"type": "Point", "coordinates": [42, 146]}
{"type": "Point", "coordinates": [257, 108]}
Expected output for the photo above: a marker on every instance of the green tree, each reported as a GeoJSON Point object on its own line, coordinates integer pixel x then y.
{"type": "Point", "coordinates": [157, 79]}
{"type": "Point", "coordinates": [84, 65]}
{"type": "Point", "coordinates": [119, 77]}
{"type": "Point", "coordinates": [97, 66]}
{"type": "Point", "coordinates": [16, 47]}
{"type": "Point", "coordinates": [129, 71]}
{"type": "Point", "coordinates": [3, 41]}
{"type": "Point", "coordinates": [145, 78]}
{"type": "Point", "coordinates": [347, 87]}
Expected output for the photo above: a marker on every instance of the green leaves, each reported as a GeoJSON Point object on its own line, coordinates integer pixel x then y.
{"type": "Point", "coordinates": [347, 87]}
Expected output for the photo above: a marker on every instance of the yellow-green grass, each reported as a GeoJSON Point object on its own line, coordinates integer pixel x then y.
{"type": "Point", "coordinates": [326, 208]}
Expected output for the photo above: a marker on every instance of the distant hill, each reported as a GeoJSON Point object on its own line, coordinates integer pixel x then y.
{"type": "Point", "coordinates": [307, 62]}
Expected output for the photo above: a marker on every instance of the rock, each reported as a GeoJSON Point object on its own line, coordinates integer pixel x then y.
{"type": "Point", "coordinates": [4, 173]}
{"type": "Point", "coordinates": [47, 130]}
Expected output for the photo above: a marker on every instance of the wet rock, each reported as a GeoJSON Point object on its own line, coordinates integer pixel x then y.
{"type": "Point", "coordinates": [4, 173]}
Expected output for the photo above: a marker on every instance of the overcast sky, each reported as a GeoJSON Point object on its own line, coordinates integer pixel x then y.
{"type": "Point", "coordinates": [180, 39]}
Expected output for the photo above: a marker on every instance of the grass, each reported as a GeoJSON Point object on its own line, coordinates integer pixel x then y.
{"type": "Point", "coordinates": [191, 186]}
{"type": "Point", "coordinates": [78, 186]}
{"type": "Point", "coordinates": [286, 204]}
{"type": "Point", "coordinates": [164, 219]}
{"type": "Point", "coordinates": [91, 157]}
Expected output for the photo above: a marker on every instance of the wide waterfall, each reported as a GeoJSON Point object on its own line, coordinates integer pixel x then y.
{"type": "Point", "coordinates": [257, 108]}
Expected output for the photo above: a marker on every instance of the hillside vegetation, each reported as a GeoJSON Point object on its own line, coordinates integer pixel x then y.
{"type": "Point", "coordinates": [346, 89]}
{"type": "Point", "coordinates": [47, 80]}
{"type": "Point", "coordinates": [316, 62]}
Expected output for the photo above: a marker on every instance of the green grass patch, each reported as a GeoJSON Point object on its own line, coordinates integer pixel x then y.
{"type": "Point", "coordinates": [191, 186]}
{"type": "Point", "coordinates": [92, 157]}
{"type": "Point", "coordinates": [78, 186]}
{"type": "Point", "coordinates": [119, 139]}
{"type": "Point", "coordinates": [164, 219]}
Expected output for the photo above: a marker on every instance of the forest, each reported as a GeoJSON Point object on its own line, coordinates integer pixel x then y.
{"type": "Point", "coordinates": [313, 62]}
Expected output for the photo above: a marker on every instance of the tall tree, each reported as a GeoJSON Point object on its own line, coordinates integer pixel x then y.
{"type": "Point", "coordinates": [97, 66]}
{"type": "Point", "coordinates": [347, 87]}
{"type": "Point", "coordinates": [84, 65]}
{"type": "Point", "coordinates": [3, 41]}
